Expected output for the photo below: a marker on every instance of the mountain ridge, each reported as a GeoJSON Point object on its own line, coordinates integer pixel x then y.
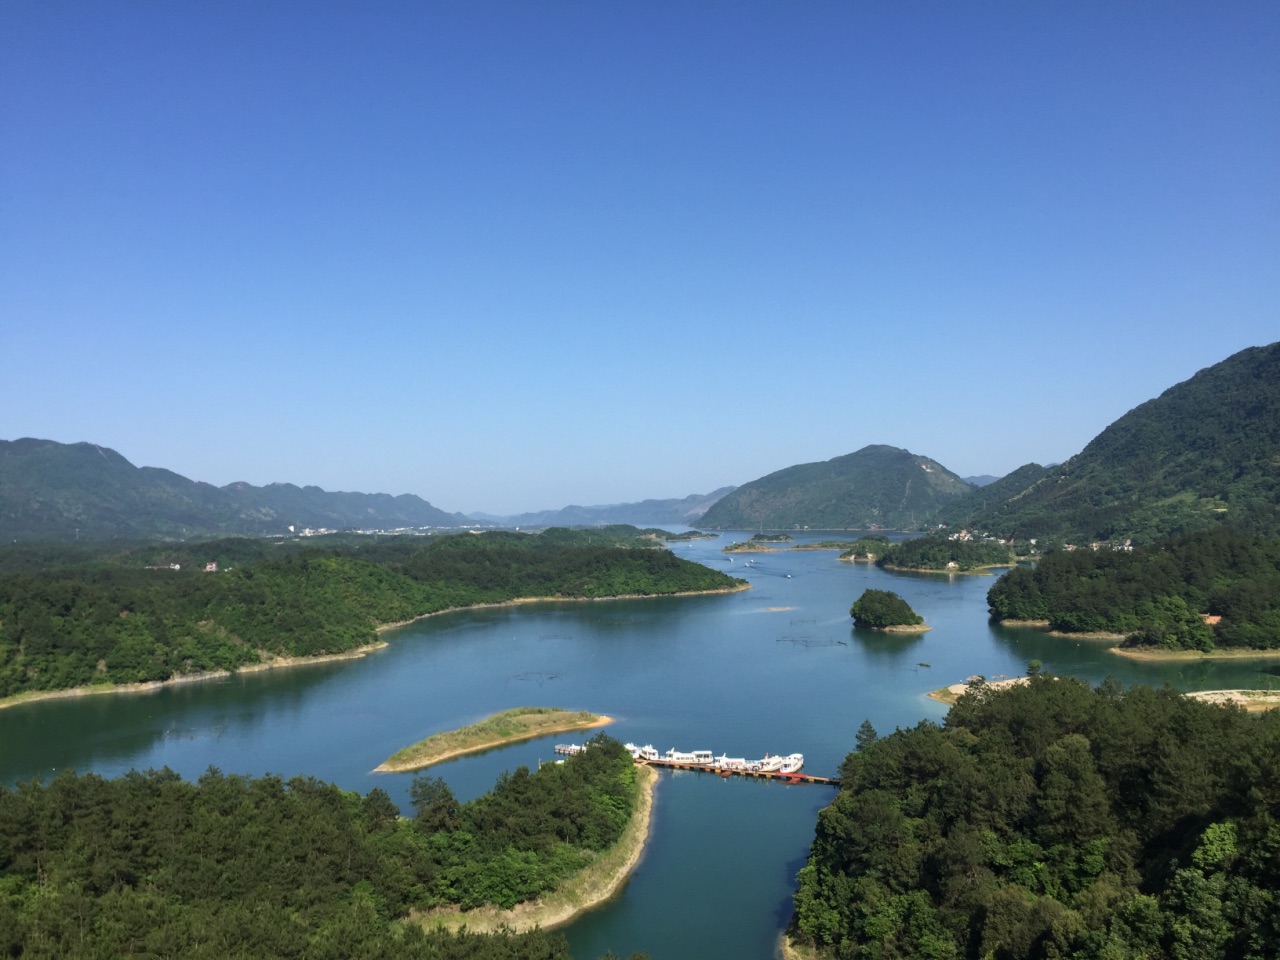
{"type": "Point", "coordinates": [58, 491]}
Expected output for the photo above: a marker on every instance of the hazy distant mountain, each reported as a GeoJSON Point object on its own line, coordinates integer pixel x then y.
{"type": "Point", "coordinates": [1206, 450]}
{"type": "Point", "coordinates": [686, 510]}
{"type": "Point", "coordinates": [981, 480]}
{"type": "Point", "coordinates": [60, 491]}
{"type": "Point", "coordinates": [876, 486]}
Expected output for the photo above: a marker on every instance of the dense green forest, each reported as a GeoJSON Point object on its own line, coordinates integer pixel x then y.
{"type": "Point", "coordinates": [117, 614]}
{"type": "Point", "coordinates": [1051, 821]}
{"type": "Point", "coordinates": [1158, 595]}
{"type": "Point", "coordinates": [940, 553]}
{"type": "Point", "coordinates": [150, 865]}
{"type": "Point", "coordinates": [879, 609]}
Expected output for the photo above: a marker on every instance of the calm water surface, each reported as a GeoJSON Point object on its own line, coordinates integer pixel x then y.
{"type": "Point", "coordinates": [775, 669]}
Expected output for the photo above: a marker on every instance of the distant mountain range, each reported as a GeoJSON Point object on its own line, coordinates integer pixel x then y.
{"type": "Point", "coordinates": [1205, 451]}
{"type": "Point", "coordinates": [686, 510]}
{"type": "Point", "coordinates": [61, 491]}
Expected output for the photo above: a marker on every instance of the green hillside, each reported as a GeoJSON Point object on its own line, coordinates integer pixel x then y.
{"type": "Point", "coordinates": [70, 491]}
{"type": "Point", "coordinates": [878, 486]}
{"type": "Point", "coordinates": [1204, 451]}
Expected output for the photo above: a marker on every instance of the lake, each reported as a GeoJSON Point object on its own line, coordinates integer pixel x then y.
{"type": "Point", "coordinates": [776, 669]}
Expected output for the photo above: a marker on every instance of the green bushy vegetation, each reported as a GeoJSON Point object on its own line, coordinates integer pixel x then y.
{"type": "Point", "coordinates": [883, 608]}
{"type": "Point", "coordinates": [230, 866]}
{"type": "Point", "coordinates": [1157, 595]}
{"type": "Point", "coordinates": [1053, 822]}
{"type": "Point", "coordinates": [941, 553]}
{"type": "Point", "coordinates": [866, 548]}
{"type": "Point", "coordinates": [70, 617]}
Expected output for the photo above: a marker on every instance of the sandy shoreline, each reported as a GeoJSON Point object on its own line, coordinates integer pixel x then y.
{"type": "Point", "coordinates": [595, 885]}
{"type": "Point", "coordinates": [151, 686]}
{"type": "Point", "coordinates": [902, 628]}
{"type": "Point", "coordinates": [523, 600]}
{"type": "Point", "coordinates": [431, 760]}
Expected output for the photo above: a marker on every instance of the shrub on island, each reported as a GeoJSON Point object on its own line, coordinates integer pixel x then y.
{"type": "Point", "coordinates": [883, 610]}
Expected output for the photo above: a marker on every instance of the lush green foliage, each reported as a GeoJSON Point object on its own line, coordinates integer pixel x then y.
{"type": "Point", "coordinates": [941, 553]}
{"type": "Point", "coordinates": [1156, 594]}
{"type": "Point", "coordinates": [110, 619]}
{"type": "Point", "coordinates": [1053, 821]}
{"type": "Point", "coordinates": [1202, 452]}
{"type": "Point", "coordinates": [883, 608]}
{"type": "Point", "coordinates": [877, 486]}
{"type": "Point", "coordinates": [866, 548]}
{"type": "Point", "coordinates": [230, 866]}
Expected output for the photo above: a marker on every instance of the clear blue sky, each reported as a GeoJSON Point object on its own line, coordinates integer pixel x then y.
{"type": "Point", "coordinates": [511, 256]}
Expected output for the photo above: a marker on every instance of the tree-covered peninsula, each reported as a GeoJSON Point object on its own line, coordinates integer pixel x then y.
{"type": "Point", "coordinates": [1049, 821]}
{"type": "Point", "coordinates": [114, 615]}
{"type": "Point", "coordinates": [238, 867]}
{"type": "Point", "coordinates": [1212, 589]}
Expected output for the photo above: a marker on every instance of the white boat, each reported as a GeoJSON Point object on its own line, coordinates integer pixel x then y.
{"type": "Point", "coordinates": [769, 764]}
{"type": "Point", "coordinates": [647, 752]}
{"type": "Point", "coordinates": [792, 763]}
{"type": "Point", "coordinates": [731, 763]}
{"type": "Point", "coordinates": [695, 756]}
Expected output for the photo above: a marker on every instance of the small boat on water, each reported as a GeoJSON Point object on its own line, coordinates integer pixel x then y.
{"type": "Point", "coordinates": [792, 763]}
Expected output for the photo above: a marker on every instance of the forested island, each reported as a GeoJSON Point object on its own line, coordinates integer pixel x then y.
{"type": "Point", "coordinates": [1206, 591]}
{"type": "Point", "coordinates": [73, 616]}
{"type": "Point", "coordinates": [1050, 820]}
{"type": "Point", "coordinates": [233, 866]}
{"type": "Point", "coordinates": [940, 554]}
{"type": "Point", "coordinates": [885, 610]}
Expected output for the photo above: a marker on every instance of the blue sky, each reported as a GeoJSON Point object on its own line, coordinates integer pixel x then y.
{"type": "Point", "coordinates": [511, 256]}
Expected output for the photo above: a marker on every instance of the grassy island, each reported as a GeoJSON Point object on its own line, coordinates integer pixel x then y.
{"type": "Point", "coordinates": [510, 726]}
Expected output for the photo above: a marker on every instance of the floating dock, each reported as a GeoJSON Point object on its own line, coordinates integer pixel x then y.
{"type": "Point", "coordinates": [796, 777]}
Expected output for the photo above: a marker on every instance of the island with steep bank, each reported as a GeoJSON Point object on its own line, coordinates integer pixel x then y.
{"type": "Point", "coordinates": [497, 730]}
{"type": "Point", "coordinates": [887, 612]}
{"type": "Point", "coordinates": [267, 867]}
{"type": "Point", "coordinates": [159, 612]}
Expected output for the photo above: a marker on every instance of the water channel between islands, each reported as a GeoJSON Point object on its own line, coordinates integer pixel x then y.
{"type": "Point", "coordinates": [776, 669]}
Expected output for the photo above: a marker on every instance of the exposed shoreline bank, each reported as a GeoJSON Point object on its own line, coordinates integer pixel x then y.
{"type": "Point", "coordinates": [596, 884]}
{"type": "Point", "coordinates": [519, 601]}
{"type": "Point", "coordinates": [151, 686]}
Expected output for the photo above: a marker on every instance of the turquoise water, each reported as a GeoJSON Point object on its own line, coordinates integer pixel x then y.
{"type": "Point", "coordinates": [774, 669]}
